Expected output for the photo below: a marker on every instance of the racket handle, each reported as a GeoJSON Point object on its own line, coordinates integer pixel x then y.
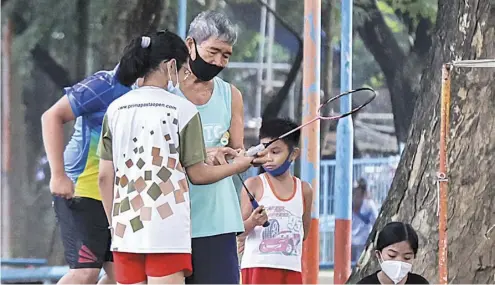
{"type": "Point", "coordinates": [255, 149]}
{"type": "Point", "coordinates": [256, 205]}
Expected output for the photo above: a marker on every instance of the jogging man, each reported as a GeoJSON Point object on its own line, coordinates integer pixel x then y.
{"type": "Point", "coordinates": [74, 176]}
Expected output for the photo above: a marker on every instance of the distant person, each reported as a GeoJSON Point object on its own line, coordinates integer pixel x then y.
{"type": "Point", "coordinates": [364, 214]}
{"type": "Point", "coordinates": [396, 247]}
{"type": "Point", "coordinates": [151, 141]}
{"type": "Point", "coordinates": [272, 255]}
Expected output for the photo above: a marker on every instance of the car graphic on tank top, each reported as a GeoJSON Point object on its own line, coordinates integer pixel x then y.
{"type": "Point", "coordinates": [284, 233]}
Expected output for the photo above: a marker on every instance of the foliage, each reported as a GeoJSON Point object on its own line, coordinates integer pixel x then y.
{"type": "Point", "coordinates": [416, 8]}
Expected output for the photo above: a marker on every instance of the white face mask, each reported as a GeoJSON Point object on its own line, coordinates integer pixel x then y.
{"type": "Point", "coordinates": [135, 85]}
{"type": "Point", "coordinates": [395, 270]}
{"type": "Point", "coordinates": [170, 86]}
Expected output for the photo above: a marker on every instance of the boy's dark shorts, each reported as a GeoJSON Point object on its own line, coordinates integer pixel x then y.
{"type": "Point", "coordinates": [84, 230]}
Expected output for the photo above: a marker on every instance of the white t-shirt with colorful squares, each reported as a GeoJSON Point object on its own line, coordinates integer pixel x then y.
{"type": "Point", "coordinates": [151, 135]}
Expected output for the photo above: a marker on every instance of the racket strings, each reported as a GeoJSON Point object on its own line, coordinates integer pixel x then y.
{"type": "Point", "coordinates": [364, 92]}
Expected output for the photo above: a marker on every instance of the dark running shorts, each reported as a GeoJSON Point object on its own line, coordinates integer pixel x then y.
{"type": "Point", "coordinates": [84, 229]}
{"type": "Point", "coordinates": [214, 260]}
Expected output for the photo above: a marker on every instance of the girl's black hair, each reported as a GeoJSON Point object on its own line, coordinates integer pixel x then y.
{"type": "Point", "coordinates": [396, 232]}
{"type": "Point", "coordinates": [138, 61]}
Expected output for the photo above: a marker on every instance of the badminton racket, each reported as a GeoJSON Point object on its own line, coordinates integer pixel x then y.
{"type": "Point", "coordinates": [365, 92]}
{"type": "Point", "coordinates": [253, 201]}
{"type": "Point", "coordinates": [224, 141]}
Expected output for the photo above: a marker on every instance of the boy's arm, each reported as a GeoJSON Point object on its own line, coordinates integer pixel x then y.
{"type": "Point", "coordinates": [254, 186]}
{"type": "Point", "coordinates": [308, 202]}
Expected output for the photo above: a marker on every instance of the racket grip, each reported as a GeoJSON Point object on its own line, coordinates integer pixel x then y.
{"type": "Point", "coordinates": [255, 149]}
{"type": "Point", "coordinates": [256, 205]}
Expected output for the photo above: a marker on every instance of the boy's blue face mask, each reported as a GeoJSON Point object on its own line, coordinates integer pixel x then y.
{"type": "Point", "coordinates": [281, 169]}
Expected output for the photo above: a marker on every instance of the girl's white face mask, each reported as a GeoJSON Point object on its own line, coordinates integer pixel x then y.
{"type": "Point", "coordinates": [394, 269]}
{"type": "Point", "coordinates": [170, 86]}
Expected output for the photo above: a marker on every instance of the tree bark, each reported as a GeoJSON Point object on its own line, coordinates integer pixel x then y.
{"type": "Point", "coordinates": [465, 30]}
{"type": "Point", "coordinates": [125, 21]}
{"type": "Point", "coordinates": [82, 16]}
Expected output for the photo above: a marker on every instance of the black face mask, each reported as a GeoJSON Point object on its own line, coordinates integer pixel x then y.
{"type": "Point", "coordinates": [203, 70]}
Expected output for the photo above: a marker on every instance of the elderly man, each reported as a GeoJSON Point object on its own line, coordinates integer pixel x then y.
{"type": "Point", "coordinates": [215, 209]}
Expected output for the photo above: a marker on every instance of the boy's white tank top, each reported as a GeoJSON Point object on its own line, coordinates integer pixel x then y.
{"type": "Point", "coordinates": [280, 244]}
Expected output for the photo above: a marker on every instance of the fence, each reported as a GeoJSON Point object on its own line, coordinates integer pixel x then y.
{"type": "Point", "coordinates": [378, 173]}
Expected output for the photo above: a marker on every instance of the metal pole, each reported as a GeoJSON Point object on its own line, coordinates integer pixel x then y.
{"type": "Point", "coordinates": [292, 96]}
{"type": "Point", "coordinates": [343, 171]}
{"type": "Point", "coordinates": [269, 58]}
{"type": "Point", "coordinates": [261, 57]}
{"type": "Point", "coordinates": [442, 176]}
{"type": "Point", "coordinates": [182, 19]}
{"type": "Point", "coordinates": [6, 129]}
{"type": "Point", "coordinates": [310, 158]}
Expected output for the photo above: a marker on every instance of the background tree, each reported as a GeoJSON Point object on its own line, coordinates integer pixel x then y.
{"type": "Point", "coordinates": [465, 30]}
{"type": "Point", "coordinates": [398, 35]}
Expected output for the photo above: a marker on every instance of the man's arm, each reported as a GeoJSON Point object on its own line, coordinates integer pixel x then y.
{"type": "Point", "coordinates": [220, 155]}
{"type": "Point", "coordinates": [79, 100]}
{"type": "Point", "coordinates": [106, 173]}
{"type": "Point", "coordinates": [237, 120]}
{"type": "Point", "coordinates": [308, 202]}
{"type": "Point", "coordinates": [373, 211]}
{"type": "Point", "coordinates": [52, 124]}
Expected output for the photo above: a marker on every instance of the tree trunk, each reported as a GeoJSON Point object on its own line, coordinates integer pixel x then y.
{"type": "Point", "coordinates": [82, 38]}
{"type": "Point", "coordinates": [401, 70]}
{"type": "Point", "coordinates": [465, 30]}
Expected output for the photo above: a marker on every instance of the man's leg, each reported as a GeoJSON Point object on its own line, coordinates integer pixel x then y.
{"type": "Point", "coordinates": [72, 241]}
{"type": "Point", "coordinates": [108, 266]}
{"type": "Point", "coordinates": [356, 251]}
{"type": "Point", "coordinates": [85, 236]}
{"type": "Point", "coordinates": [109, 276]}
{"type": "Point", "coordinates": [215, 260]}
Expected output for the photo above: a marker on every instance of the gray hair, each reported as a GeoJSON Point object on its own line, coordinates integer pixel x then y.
{"type": "Point", "coordinates": [212, 24]}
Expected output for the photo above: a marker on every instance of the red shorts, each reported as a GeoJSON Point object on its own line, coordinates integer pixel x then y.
{"type": "Point", "coordinates": [262, 275]}
{"type": "Point", "coordinates": [133, 268]}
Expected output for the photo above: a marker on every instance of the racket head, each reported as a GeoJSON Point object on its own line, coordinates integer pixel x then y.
{"type": "Point", "coordinates": [368, 92]}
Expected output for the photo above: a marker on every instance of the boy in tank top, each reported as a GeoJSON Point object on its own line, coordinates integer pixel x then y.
{"type": "Point", "coordinates": [272, 254]}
